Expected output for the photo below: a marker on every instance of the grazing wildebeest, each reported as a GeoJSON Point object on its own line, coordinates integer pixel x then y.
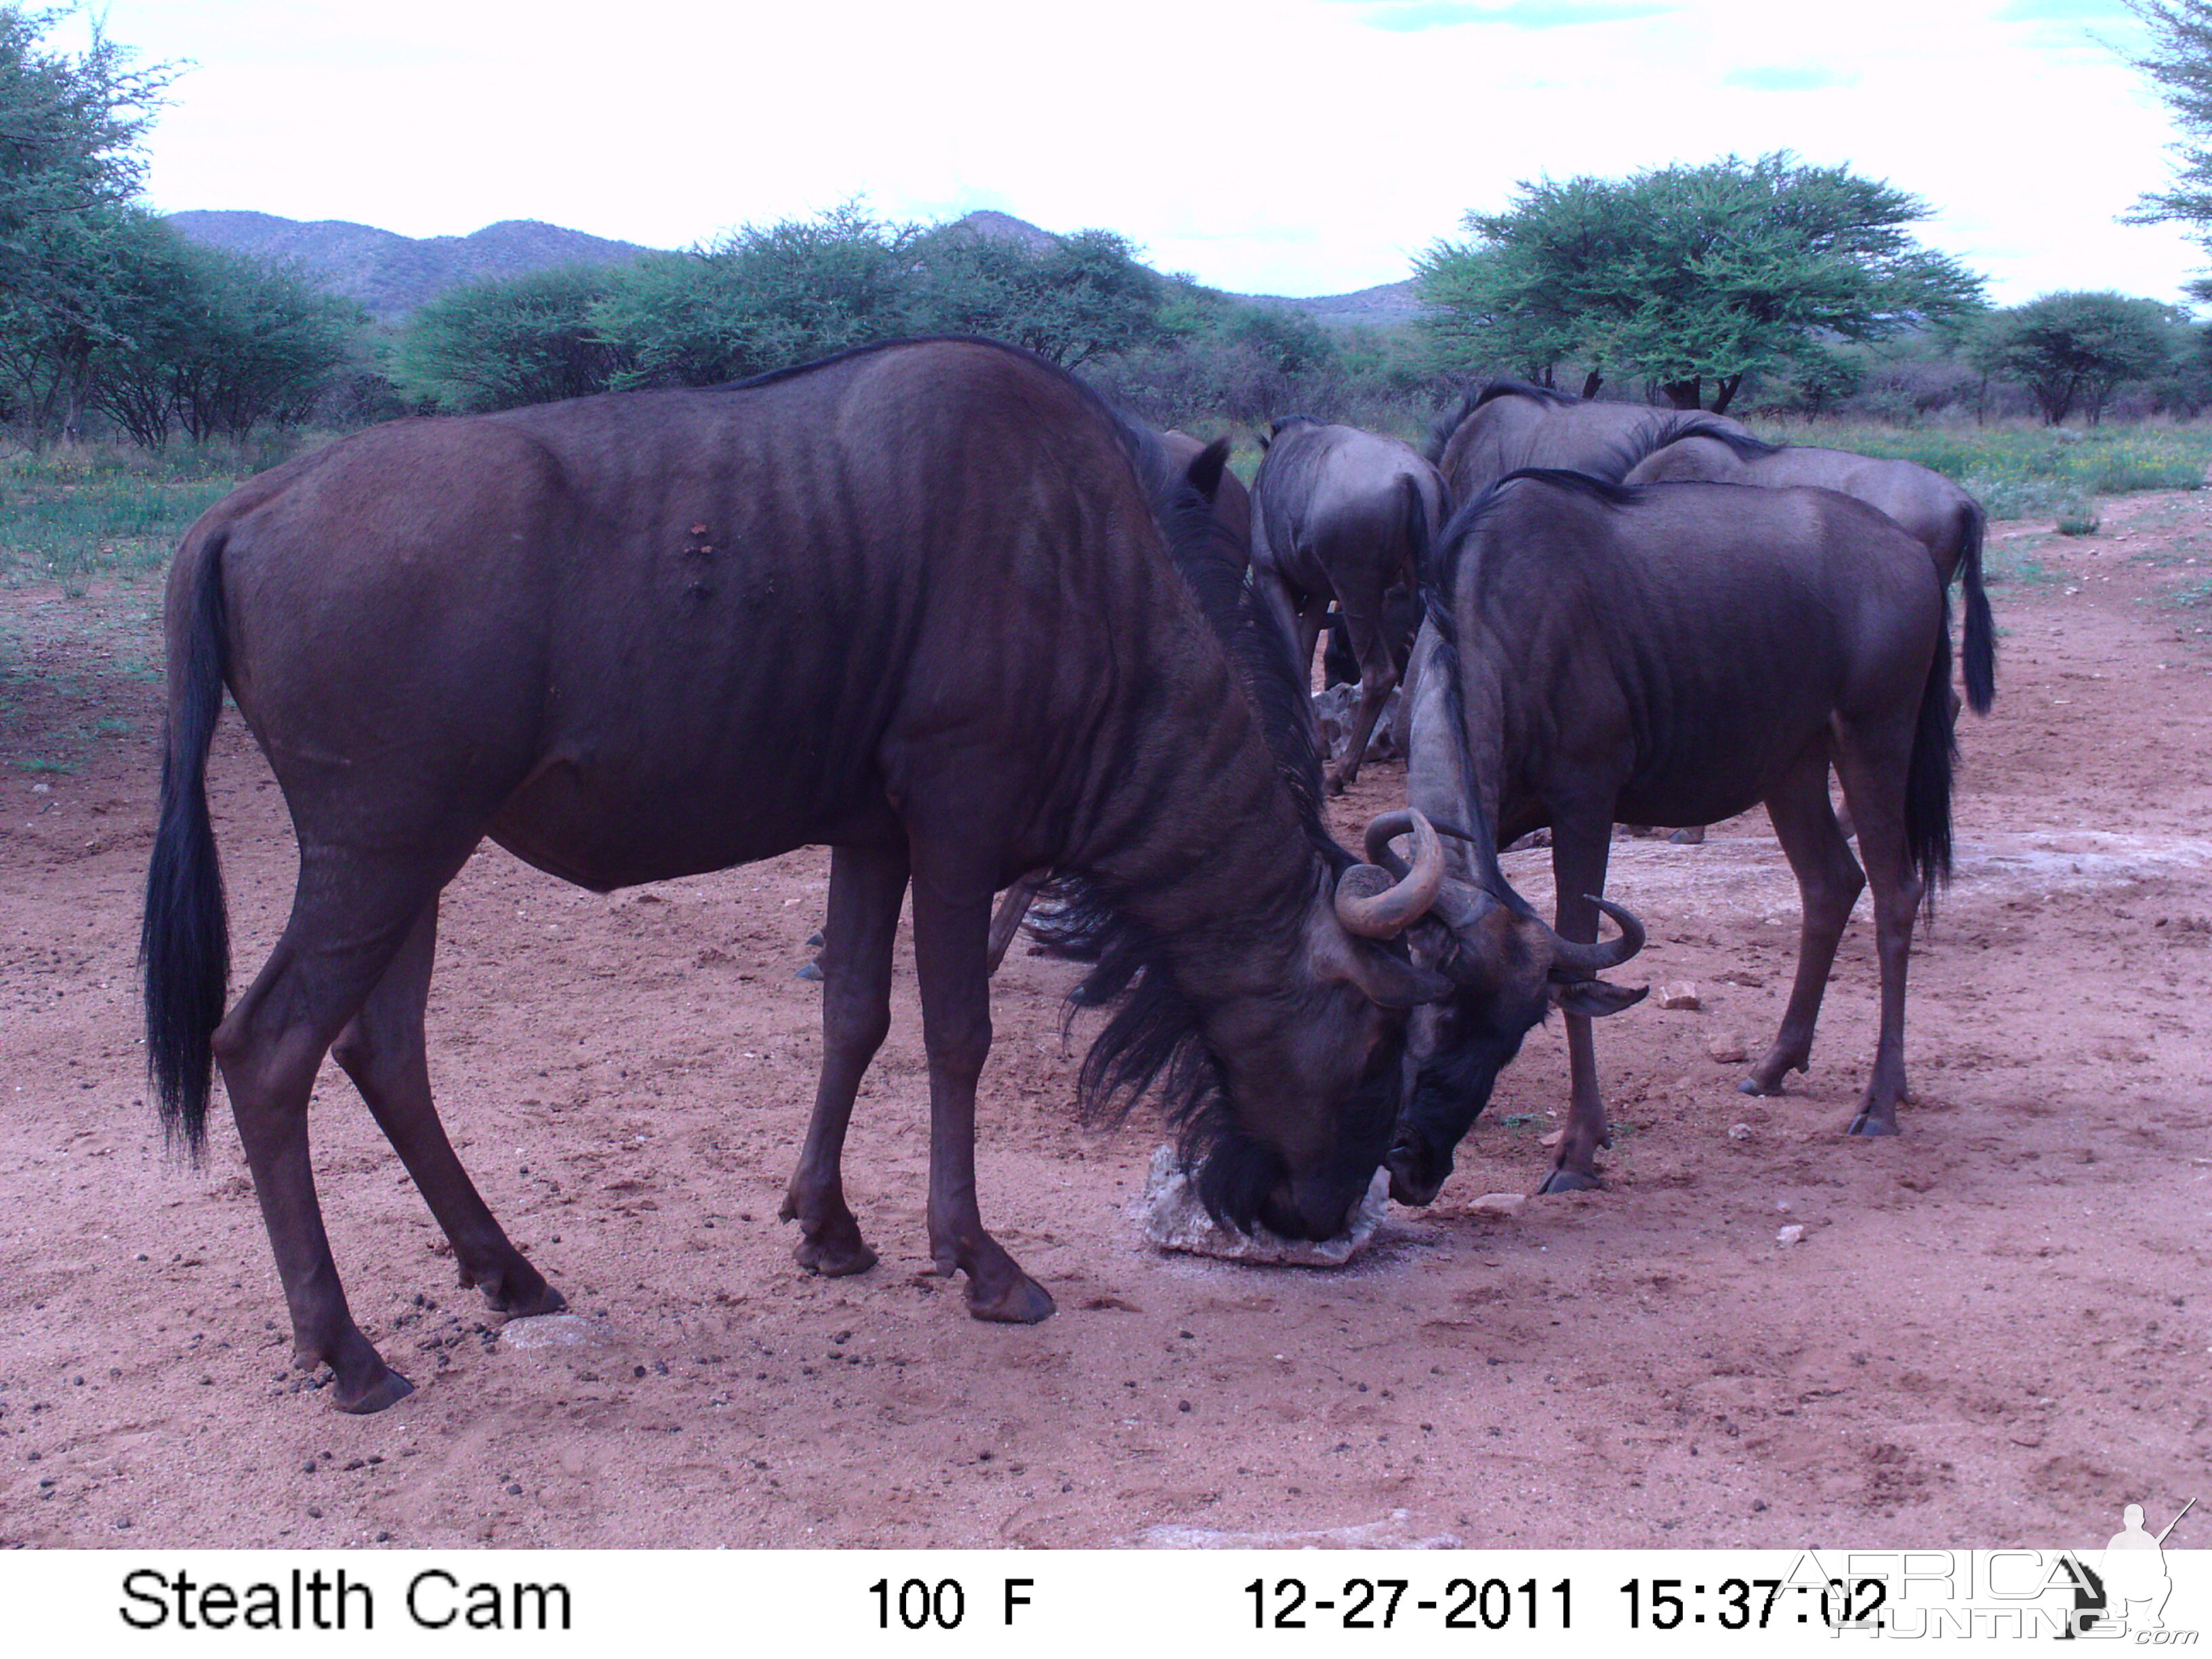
{"type": "Point", "coordinates": [1343, 515]}
{"type": "Point", "coordinates": [1508, 425]}
{"type": "Point", "coordinates": [1934, 512]}
{"type": "Point", "coordinates": [1673, 654]}
{"type": "Point", "coordinates": [911, 602]}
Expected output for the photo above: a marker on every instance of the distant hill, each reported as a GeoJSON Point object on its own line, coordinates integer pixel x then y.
{"type": "Point", "coordinates": [391, 274]}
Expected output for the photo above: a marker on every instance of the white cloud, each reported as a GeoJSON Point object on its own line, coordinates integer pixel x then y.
{"type": "Point", "coordinates": [1267, 145]}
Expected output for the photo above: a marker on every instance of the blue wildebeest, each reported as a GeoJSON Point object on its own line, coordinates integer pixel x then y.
{"type": "Point", "coordinates": [1508, 425]}
{"type": "Point", "coordinates": [1674, 654]}
{"type": "Point", "coordinates": [1933, 511]}
{"type": "Point", "coordinates": [547, 626]}
{"type": "Point", "coordinates": [1343, 515]}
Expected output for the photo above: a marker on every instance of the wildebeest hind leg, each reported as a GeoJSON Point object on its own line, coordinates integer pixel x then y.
{"type": "Point", "coordinates": [382, 1050]}
{"type": "Point", "coordinates": [867, 886]}
{"type": "Point", "coordinates": [349, 919]}
{"type": "Point", "coordinates": [1873, 771]}
{"type": "Point", "coordinates": [951, 924]}
{"type": "Point", "coordinates": [1378, 679]}
{"type": "Point", "coordinates": [1829, 881]}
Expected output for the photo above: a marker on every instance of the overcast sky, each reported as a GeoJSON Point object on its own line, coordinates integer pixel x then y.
{"type": "Point", "coordinates": [1269, 146]}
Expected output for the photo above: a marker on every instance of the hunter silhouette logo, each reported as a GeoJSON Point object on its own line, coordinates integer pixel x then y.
{"type": "Point", "coordinates": [2127, 1590]}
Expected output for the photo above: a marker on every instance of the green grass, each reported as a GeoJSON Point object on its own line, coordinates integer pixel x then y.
{"type": "Point", "coordinates": [115, 524]}
{"type": "Point", "coordinates": [2189, 597]}
{"type": "Point", "coordinates": [2030, 472]}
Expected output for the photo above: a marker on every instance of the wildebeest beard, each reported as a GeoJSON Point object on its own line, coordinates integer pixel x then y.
{"type": "Point", "coordinates": [1452, 1084]}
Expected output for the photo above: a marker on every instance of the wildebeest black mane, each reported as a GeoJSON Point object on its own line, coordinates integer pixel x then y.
{"type": "Point", "coordinates": [1153, 1043]}
{"type": "Point", "coordinates": [1745, 448]}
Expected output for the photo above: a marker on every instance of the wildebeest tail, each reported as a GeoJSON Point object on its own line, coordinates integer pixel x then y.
{"type": "Point", "coordinates": [1981, 645]}
{"type": "Point", "coordinates": [1420, 544]}
{"type": "Point", "coordinates": [183, 945]}
{"type": "Point", "coordinates": [1927, 775]}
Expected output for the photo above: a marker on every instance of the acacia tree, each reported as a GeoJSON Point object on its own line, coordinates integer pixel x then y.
{"type": "Point", "coordinates": [528, 339]}
{"type": "Point", "coordinates": [1684, 275]}
{"type": "Point", "coordinates": [2073, 349]}
{"type": "Point", "coordinates": [759, 298]}
{"type": "Point", "coordinates": [1075, 299]}
{"type": "Point", "coordinates": [2179, 63]}
{"type": "Point", "coordinates": [70, 167]}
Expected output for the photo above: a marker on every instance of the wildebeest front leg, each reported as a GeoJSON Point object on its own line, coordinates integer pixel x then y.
{"type": "Point", "coordinates": [951, 923]}
{"type": "Point", "coordinates": [866, 885]}
{"type": "Point", "coordinates": [1579, 852]}
{"type": "Point", "coordinates": [383, 1051]}
{"type": "Point", "coordinates": [1829, 882]}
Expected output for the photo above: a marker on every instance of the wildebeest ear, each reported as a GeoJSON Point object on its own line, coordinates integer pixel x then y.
{"type": "Point", "coordinates": [1204, 473]}
{"type": "Point", "coordinates": [1391, 981]}
{"type": "Point", "coordinates": [1594, 999]}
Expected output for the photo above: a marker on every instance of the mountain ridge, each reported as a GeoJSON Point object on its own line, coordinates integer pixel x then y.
{"type": "Point", "coordinates": [391, 274]}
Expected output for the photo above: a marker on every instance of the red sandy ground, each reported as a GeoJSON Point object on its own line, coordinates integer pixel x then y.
{"type": "Point", "coordinates": [1995, 1331]}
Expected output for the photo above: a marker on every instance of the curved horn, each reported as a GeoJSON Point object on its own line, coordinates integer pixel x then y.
{"type": "Point", "coordinates": [1587, 961]}
{"type": "Point", "coordinates": [1383, 830]}
{"type": "Point", "coordinates": [1400, 904]}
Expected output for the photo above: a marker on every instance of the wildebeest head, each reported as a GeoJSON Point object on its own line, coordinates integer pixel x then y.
{"type": "Point", "coordinates": [1507, 971]}
{"type": "Point", "coordinates": [1286, 1079]}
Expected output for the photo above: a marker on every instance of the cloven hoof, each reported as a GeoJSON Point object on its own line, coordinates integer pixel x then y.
{"type": "Point", "coordinates": [1563, 1180]}
{"type": "Point", "coordinates": [833, 1258]}
{"type": "Point", "coordinates": [1867, 1123]}
{"type": "Point", "coordinates": [1024, 1301]}
{"type": "Point", "coordinates": [388, 1390]}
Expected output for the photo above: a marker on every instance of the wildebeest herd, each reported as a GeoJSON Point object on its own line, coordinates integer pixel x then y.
{"type": "Point", "coordinates": [933, 605]}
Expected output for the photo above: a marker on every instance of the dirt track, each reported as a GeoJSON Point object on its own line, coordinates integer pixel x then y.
{"type": "Point", "coordinates": [1995, 1330]}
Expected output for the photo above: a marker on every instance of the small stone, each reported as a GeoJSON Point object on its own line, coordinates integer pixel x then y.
{"type": "Point", "coordinates": [42, 789]}
{"type": "Point", "coordinates": [1792, 1233]}
{"type": "Point", "coordinates": [1727, 1049]}
{"type": "Point", "coordinates": [514, 1489]}
{"type": "Point", "coordinates": [561, 1330]}
{"type": "Point", "coordinates": [1683, 996]}
{"type": "Point", "coordinates": [309, 1467]}
{"type": "Point", "coordinates": [813, 971]}
{"type": "Point", "coordinates": [1554, 1139]}
{"type": "Point", "coordinates": [1498, 1204]}
{"type": "Point", "coordinates": [1740, 1132]}
{"type": "Point", "coordinates": [313, 1514]}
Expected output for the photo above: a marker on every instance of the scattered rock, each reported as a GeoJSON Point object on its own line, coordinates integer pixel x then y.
{"type": "Point", "coordinates": [1173, 1219]}
{"type": "Point", "coordinates": [1727, 1048]}
{"type": "Point", "coordinates": [1792, 1233]}
{"type": "Point", "coordinates": [811, 970]}
{"type": "Point", "coordinates": [1681, 996]}
{"type": "Point", "coordinates": [1743, 976]}
{"type": "Point", "coordinates": [1554, 1139]}
{"type": "Point", "coordinates": [1740, 1132]}
{"type": "Point", "coordinates": [1498, 1204]}
{"type": "Point", "coordinates": [561, 1330]}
